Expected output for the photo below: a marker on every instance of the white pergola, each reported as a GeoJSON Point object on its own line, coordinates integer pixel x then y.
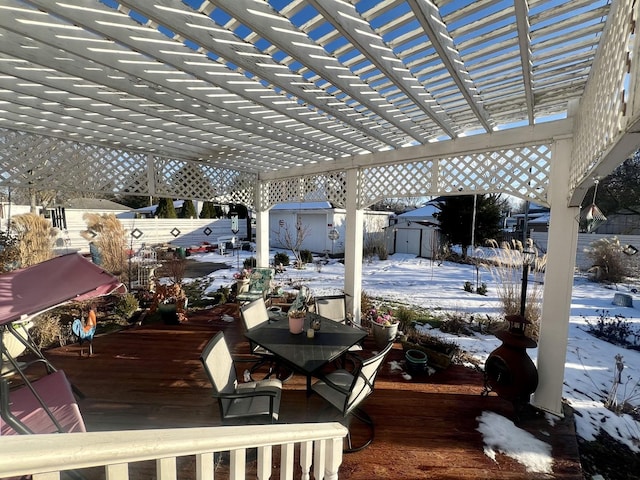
{"type": "Point", "coordinates": [348, 101]}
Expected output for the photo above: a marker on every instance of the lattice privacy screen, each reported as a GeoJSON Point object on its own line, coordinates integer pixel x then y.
{"type": "Point", "coordinates": [51, 163]}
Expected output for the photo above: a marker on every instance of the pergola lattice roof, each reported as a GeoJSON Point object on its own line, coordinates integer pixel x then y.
{"type": "Point", "coordinates": [261, 86]}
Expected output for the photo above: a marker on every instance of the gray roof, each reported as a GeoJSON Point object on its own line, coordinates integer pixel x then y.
{"type": "Point", "coordinates": [95, 204]}
{"type": "Point", "coordinates": [426, 211]}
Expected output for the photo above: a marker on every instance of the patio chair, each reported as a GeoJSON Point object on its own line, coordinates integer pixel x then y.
{"type": "Point", "coordinates": [346, 391]}
{"type": "Point", "coordinates": [334, 307]}
{"type": "Point", "coordinates": [259, 285]}
{"type": "Point", "coordinates": [253, 315]}
{"type": "Point", "coordinates": [240, 403]}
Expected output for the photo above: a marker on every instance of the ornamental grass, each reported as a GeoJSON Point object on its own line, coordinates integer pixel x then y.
{"type": "Point", "coordinates": [505, 262]}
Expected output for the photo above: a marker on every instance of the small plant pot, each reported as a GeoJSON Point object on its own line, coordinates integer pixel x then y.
{"type": "Point", "coordinates": [296, 324]}
{"type": "Point", "coordinates": [416, 361]}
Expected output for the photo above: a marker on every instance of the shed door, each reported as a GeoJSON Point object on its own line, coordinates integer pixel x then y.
{"type": "Point", "coordinates": [408, 241]}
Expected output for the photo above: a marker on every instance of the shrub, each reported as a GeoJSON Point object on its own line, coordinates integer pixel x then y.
{"type": "Point", "coordinates": [250, 263]}
{"type": "Point", "coordinates": [482, 289]}
{"type": "Point", "coordinates": [468, 287]}
{"type": "Point", "coordinates": [175, 269]}
{"type": "Point", "coordinates": [281, 258]}
{"type": "Point", "coordinates": [617, 329]}
{"type": "Point", "coordinates": [48, 331]}
{"type": "Point", "coordinates": [440, 352]}
{"type": "Point", "coordinates": [196, 293]}
{"type": "Point", "coordinates": [306, 256]}
{"type": "Point", "coordinates": [607, 257]}
{"type": "Point", "coordinates": [221, 295]}
{"type": "Point", "coordinates": [126, 305]}
{"type": "Point", "coordinates": [456, 323]}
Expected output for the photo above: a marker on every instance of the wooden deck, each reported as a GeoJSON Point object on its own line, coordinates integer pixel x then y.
{"type": "Point", "coordinates": [151, 377]}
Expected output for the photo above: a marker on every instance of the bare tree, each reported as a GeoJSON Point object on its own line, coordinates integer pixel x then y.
{"type": "Point", "coordinates": [292, 239]}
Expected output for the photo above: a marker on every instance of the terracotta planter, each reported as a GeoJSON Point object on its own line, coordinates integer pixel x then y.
{"type": "Point", "coordinates": [296, 323]}
{"type": "Point", "coordinates": [383, 334]}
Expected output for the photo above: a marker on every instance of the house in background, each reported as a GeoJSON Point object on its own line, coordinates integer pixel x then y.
{"type": "Point", "coordinates": [624, 222]}
{"type": "Point", "coordinates": [415, 232]}
{"type": "Point", "coordinates": [324, 223]}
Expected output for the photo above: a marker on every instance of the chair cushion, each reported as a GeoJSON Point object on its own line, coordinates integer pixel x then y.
{"type": "Point", "coordinates": [259, 405]}
{"type": "Point", "coordinates": [341, 378]}
{"type": "Point", "coordinates": [55, 391]}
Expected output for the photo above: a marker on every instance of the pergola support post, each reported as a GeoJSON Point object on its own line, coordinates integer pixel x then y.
{"type": "Point", "coordinates": [558, 283]}
{"type": "Point", "coordinates": [262, 229]}
{"type": "Point", "coordinates": [354, 233]}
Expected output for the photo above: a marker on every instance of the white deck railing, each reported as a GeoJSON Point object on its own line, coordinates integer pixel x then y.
{"type": "Point", "coordinates": [45, 456]}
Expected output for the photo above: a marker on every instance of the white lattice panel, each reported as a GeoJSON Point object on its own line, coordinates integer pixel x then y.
{"type": "Point", "coordinates": [49, 163]}
{"type": "Point", "coordinates": [600, 120]}
{"type": "Point", "coordinates": [522, 172]}
{"type": "Point", "coordinates": [519, 171]}
{"type": "Point", "coordinates": [328, 187]}
{"type": "Point", "coordinates": [185, 179]}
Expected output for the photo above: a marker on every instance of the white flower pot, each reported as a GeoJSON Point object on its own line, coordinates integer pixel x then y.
{"type": "Point", "coordinates": [383, 334]}
{"type": "Point", "coordinates": [243, 285]}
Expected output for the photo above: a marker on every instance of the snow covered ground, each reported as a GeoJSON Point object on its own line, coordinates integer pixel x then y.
{"type": "Point", "coordinates": [590, 363]}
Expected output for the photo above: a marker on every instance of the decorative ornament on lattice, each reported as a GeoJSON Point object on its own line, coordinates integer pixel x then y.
{"type": "Point", "coordinates": [591, 217]}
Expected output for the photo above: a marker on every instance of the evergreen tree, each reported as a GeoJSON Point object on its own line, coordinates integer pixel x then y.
{"type": "Point", "coordinates": [620, 191]}
{"type": "Point", "coordinates": [456, 219]}
{"type": "Point", "coordinates": [207, 210]}
{"type": "Point", "coordinates": [166, 209]}
{"type": "Point", "coordinates": [217, 212]}
{"type": "Point", "coordinates": [188, 210]}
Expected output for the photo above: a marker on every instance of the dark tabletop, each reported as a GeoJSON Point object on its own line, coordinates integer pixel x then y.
{"type": "Point", "coordinates": [306, 354]}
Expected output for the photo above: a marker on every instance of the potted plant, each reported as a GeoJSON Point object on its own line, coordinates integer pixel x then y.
{"type": "Point", "coordinates": [171, 302]}
{"type": "Point", "coordinates": [384, 326]}
{"type": "Point", "coordinates": [243, 278]}
{"type": "Point", "coordinates": [296, 320]}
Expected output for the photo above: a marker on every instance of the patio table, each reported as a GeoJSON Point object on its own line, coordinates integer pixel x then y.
{"type": "Point", "coordinates": [306, 355]}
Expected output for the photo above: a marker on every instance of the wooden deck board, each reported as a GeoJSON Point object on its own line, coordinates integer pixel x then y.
{"type": "Point", "coordinates": [151, 377]}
